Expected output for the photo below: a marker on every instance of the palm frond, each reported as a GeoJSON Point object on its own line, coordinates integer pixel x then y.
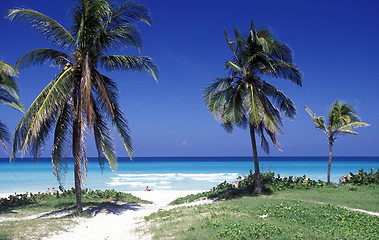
{"type": "Point", "coordinates": [103, 140]}
{"type": "Point", "coordinates": [346, 131]}
{"type": "Point", "coordinates": [319, 121]}
{"type": "Point", "coordinates": [8, 85]}
{"type": "Point", "coordinates": [9, 91]}
{"type": "Point", "coordinates": [260, 62]}
{"type": "Point", "coordinates": [89, 19]}
{"type": "Point", "coordinates": [36, 142]}
{"type": "Point", "coordinates": [123, 130]}
{"type": "Point", "coordinates": [231, 44]}
{"type": "Point", "coordinates": [261, 129]}
{"type": "Point", "coordinates": [270, 115]}
{"type": "Point", "coordinates": [108, 102]}
{"type": "Point", "coordinates": [54, 99]}
{"type": "Point", "coordinates": [40, 116]}
{"type": "Point", "coordinates": [233, 111]}
{"type": "Point", "coordinates": [264, 143]}
{"type": "Point", "coordinates": [340, 114]}
{"type": "Point", "coordinates": [233, 66]}
{"type": "Point", "coordinates": [240, 41]}
{"type": "Point", "coordinates": [135, 63]}
{"type": "Point", "coordinates": [4, 133]}
{"type": "Point", "coordinates": [351, 126]}
{"type": "Point", "coordinates": [121, 37]}
{"type": "Point", "coordinates": [7, 98]}
{"type": "Point", "coordinates": [8, 69]}
{"type": "Point", "coordinates": [49, 28]}
{"type": "Point", "coordinates": [252, 106]}
{"type": "Point", "coordinates": [130, 12]}
{"type": "Point", "coordinates": [62, 139]}
{"type": "Point", "coordinates": [281, 51]}
{"type": "Point", "coordinates": [287, 71]}
{"type": "Point", "coordinates": [215, 95]}
{"type": "Point", "coordinates": [43, 56]}
{"type": "Point", "coordinates": [272, 136]}
{"type": "Point", "coordinates": [283, 102]}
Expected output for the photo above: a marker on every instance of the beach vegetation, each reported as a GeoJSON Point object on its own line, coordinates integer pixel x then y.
{"type": "Point", "coordinates": [9, 95]}
{"type": "Point", "coordinates": [65, 198]}
{"type": "Point", "coordinates": [314, 213]}
{"type": "Point", "coordinates": [244, 98]}
{"type": "Point", "coordinates": [342, 119]}
{"type": "Point", "coordinates": [80, 99]}
{"type": "Point", "coordinates": [270, 184]}
{"type": "Point", "coordinates": [362, 177]}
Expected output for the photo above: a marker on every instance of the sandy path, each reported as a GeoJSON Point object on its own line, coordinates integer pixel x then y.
{"type": "Point", "coordinates": [122, 223]}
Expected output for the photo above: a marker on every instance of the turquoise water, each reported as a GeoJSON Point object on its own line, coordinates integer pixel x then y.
{"type": "Point", "coordinates": [190, 173]}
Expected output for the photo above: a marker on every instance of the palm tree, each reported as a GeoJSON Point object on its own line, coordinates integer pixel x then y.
{"type": "Point", "coordinates": [342, 119]}
{"type": "Point", "coordinates": [9, 95]}
{"type": "Point", "coordinates": [244, 99]}
{"type": "Point", "coordinates": [80, 98]}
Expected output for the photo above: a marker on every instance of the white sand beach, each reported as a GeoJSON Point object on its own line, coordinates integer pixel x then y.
{"type": "Point", "coordinates": [122, 223]}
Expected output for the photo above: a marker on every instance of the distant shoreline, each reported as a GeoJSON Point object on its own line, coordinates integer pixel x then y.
{"type": "Point", "coordinates": [171, 173]}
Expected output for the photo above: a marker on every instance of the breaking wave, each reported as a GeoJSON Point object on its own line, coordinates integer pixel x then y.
{"type": "Point", "coordinates": [162, 181]}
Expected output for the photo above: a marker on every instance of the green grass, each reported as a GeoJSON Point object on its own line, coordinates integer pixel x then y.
{"type": "Point", "coordinates": [33, 229]}
{"type": "Point", "coordinates": [292, 214]}
{"type": "Point", "coordinates": [18, 208]}
{"type": "Point", "coordinates": [352, 196]}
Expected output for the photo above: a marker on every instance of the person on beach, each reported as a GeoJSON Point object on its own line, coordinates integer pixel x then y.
{"type": "Point", "coordinates": [148, 189]}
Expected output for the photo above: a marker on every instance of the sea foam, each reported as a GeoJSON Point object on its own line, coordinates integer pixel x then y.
{"type": "Point", "coordinates": [167, 180]}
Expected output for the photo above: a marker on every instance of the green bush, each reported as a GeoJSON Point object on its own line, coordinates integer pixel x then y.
{"type": "Point", "coordinates": [23, 199]}
{"type": "Point", "coordinates": [246, 185]}
{"type": "Point", "coordinates": [363, 178]}
{"type": "Point", "coordinates": [88, 195]}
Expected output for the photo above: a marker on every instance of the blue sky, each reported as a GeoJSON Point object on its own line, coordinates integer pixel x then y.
{"type": "Point", "coordinates": [335, 44]}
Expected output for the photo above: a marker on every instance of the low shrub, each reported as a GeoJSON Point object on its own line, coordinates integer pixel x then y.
{"type": "Point", "coordinates": [18, 200]}
{"type": "Point", "coordinates": [363, 178]}
{"type": "Point", "coordinates": [246, 185]}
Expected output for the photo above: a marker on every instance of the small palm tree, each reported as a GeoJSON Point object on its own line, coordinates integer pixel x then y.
{"type": "Point", "coordinates": [9, 95]}
{"type": "Point", "coordinates": [80, 98]}
{"type": "Point", "coordinates": [342, 119]}
{"type": "Point", "coordinates": [244, 99]}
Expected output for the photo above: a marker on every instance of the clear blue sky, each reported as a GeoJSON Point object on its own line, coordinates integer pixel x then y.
{"type": "Point", "coordinates": [336, 46]}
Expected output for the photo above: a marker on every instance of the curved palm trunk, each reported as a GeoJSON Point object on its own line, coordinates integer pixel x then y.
{"type": "Point", "coordinates": [257, 173]}
{"type": "Point", "coordinates": [330, 160]}
{"type": "Point", "coordinates": [76, 148]}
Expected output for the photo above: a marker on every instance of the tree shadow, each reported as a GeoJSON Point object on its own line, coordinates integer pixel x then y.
{"type": "Point", "coordinates": [111, 208]}
{"type": "Point", "coordinates": [92, 209]}
{"type": "Point", "coordinates": [4, 209]}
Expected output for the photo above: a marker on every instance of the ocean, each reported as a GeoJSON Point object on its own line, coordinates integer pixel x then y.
{"type": "Point", "coordinates": [171, 173]}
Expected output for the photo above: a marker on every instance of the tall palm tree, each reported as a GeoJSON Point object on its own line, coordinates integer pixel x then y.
{"type": "Point", "coordinates": [342, 119]}
{"type": "Point", "coordinates": [244, 99]}
{"type": "Point", "coordinates": [81, 98]}
{"type": "Point", "coordinates": [9, 95]}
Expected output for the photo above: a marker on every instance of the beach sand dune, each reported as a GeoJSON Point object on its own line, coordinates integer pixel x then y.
{"type": "Point", "coordinates": [121, 224]}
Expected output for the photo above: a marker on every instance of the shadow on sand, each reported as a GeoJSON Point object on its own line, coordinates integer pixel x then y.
{"type": "Point", "coordinates": [92, 209]}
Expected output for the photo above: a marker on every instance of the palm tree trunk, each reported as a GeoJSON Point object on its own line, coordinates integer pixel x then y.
{"type": "Point", "coordinates": [330, 160]}
{"type": "Point", "coordinates": [76, 148]}
{"type": "Point", "coordinates": [257, 173]}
